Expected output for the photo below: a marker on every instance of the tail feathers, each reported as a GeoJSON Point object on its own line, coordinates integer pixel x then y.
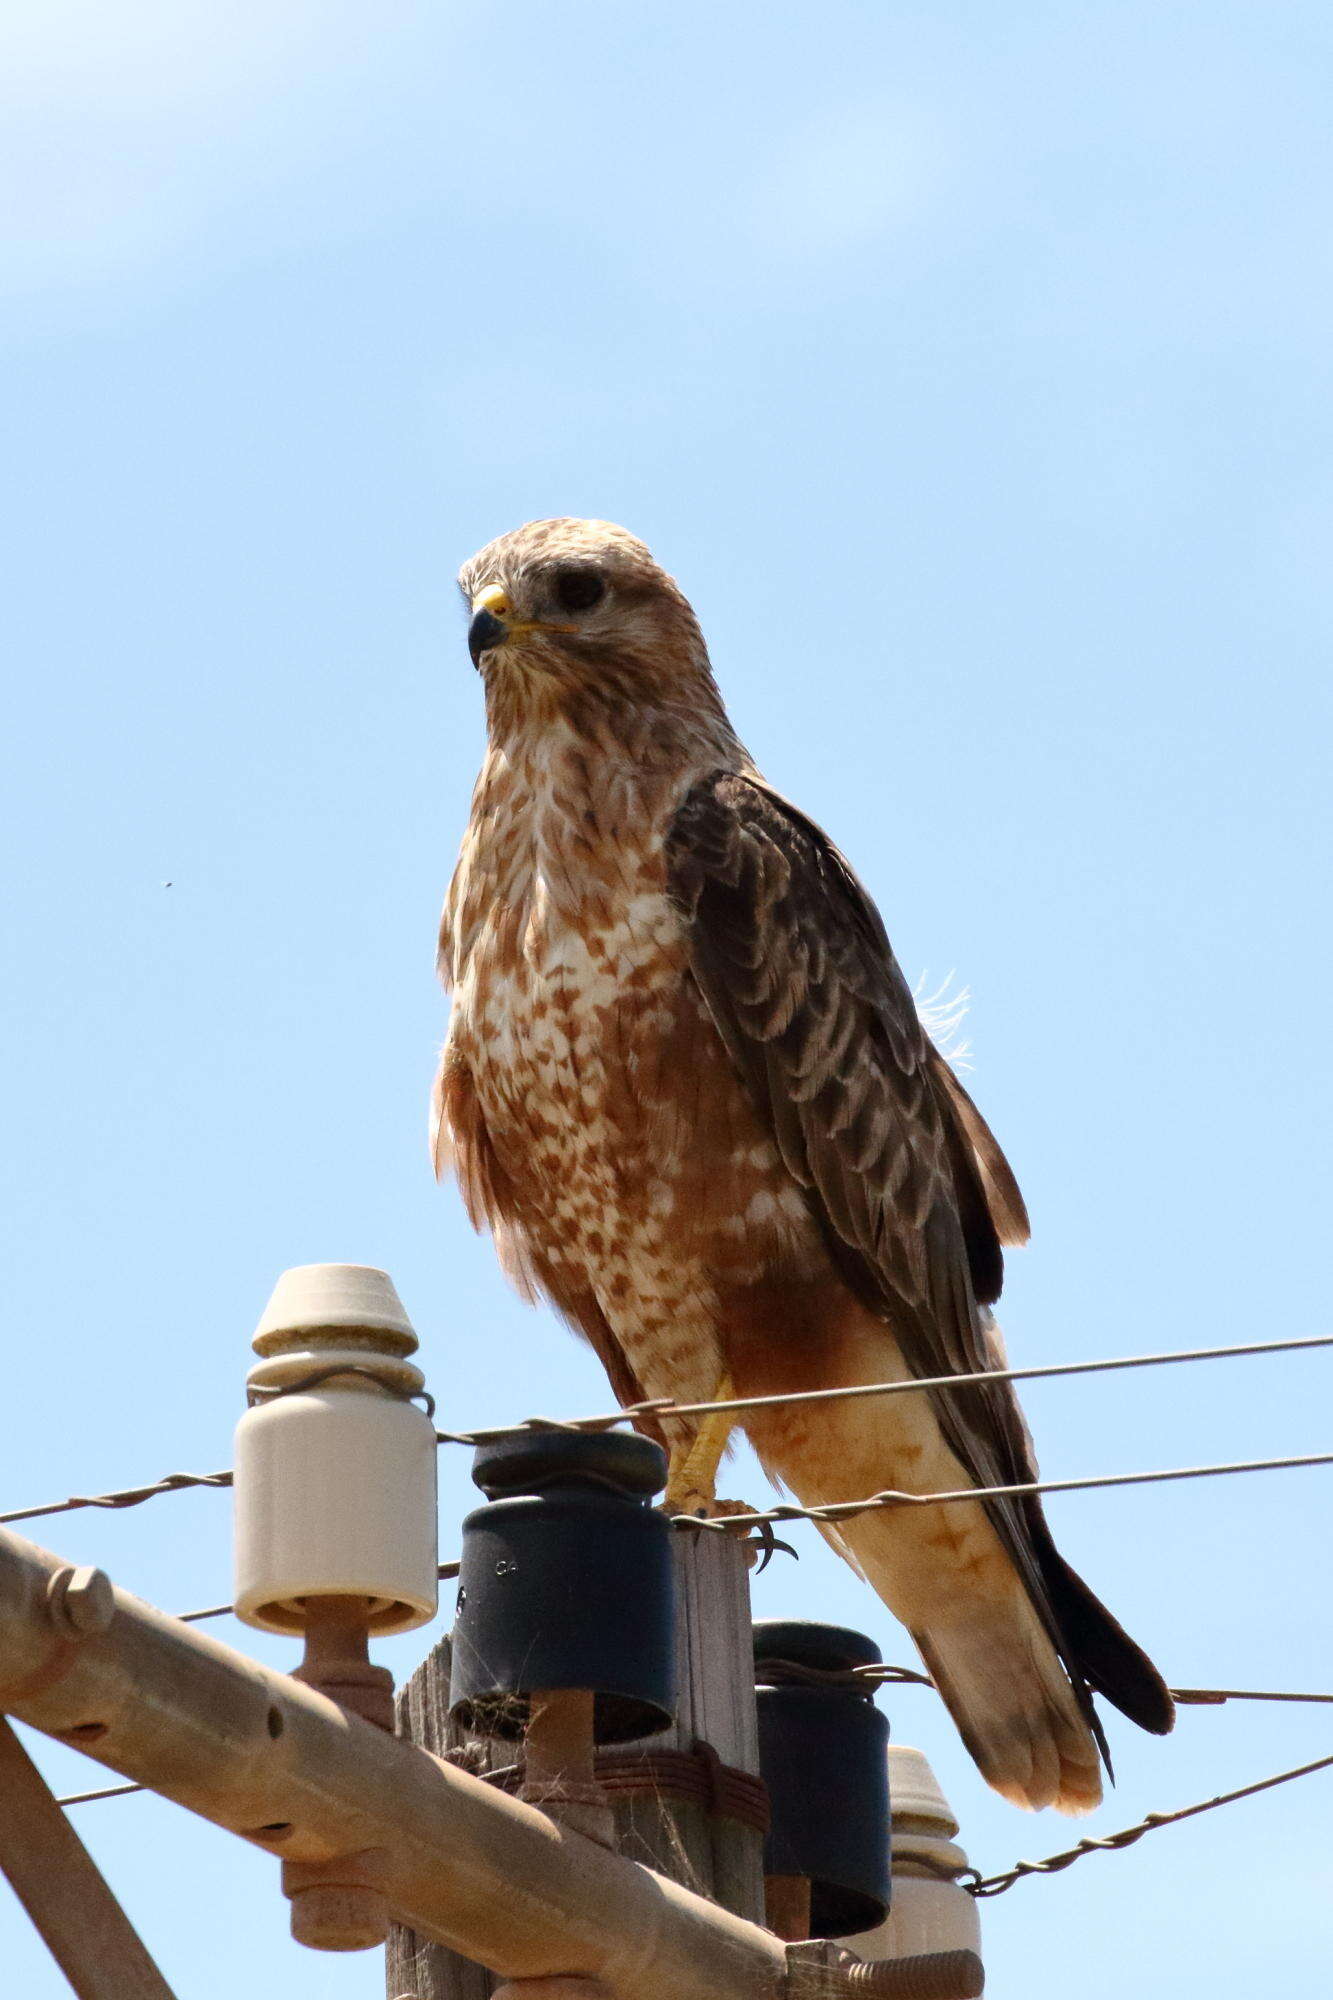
{"type": "Point", "coordinates": [1014, 1707]}
{"type": "Point", "coordinates": [1099, 1647]}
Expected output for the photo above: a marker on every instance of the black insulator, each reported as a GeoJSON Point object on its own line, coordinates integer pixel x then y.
{"type": "Point", "coordinates": [565, 1582]}
{"type": "Point", "coordinates": [530, 1461]}
{"type": "Point", "coordinates": [823, 1756]}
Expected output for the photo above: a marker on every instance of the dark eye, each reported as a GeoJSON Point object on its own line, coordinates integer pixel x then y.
{"type": "Point", "coordinates": [576, 587]}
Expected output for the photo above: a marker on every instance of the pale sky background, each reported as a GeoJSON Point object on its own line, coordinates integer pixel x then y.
{"type": "Point", "coordinates": [970, 366]}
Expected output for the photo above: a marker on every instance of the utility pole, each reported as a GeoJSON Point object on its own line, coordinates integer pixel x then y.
{"type": "Point", "coordinates": [591, 1806]}
{"type": "Point", "coordinates": [284, 1767]}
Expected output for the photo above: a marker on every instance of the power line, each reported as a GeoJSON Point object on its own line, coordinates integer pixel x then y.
{"type": "Point", "coordinates": [108, 1792]}
{"type": "Point", "coordinates": [663, 1406]}
{"type": "Point", "coordinates": [838, 1510]}
{"type": "Point", "coordinates": [788, 1672]}
{"type": "Point", "coordinates": [1214, 1697]}
{"type": "Point", "coordinates": [846, 1510]}
{"type": "Point", "coordinates": [130, 1496]}
{"type": "Point", "coordinates": [178, 1482]}
{"type": "Point", "coordinates": [995, 1885]}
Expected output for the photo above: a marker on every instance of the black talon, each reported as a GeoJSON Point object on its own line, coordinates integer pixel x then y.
{"type": "Point", "coordinates": [766, 1540]}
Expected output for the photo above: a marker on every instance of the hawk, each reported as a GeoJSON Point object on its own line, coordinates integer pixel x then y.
{"type": "Point", "coordinates": [687, 1088]}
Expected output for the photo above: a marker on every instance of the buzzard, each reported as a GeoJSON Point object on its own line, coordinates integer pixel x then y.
{"type": "Point", "coordinates": [687, 1088]}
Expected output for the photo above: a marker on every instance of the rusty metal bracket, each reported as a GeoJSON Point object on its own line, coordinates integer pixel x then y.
{"type": "Point", "coordinates": [821, 1970]}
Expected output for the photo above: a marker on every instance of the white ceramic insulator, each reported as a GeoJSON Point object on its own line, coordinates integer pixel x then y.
{"type": "Point", "coordinates": [335, 1484]}
{"type": "Point", "coordinates": [930, 1910]}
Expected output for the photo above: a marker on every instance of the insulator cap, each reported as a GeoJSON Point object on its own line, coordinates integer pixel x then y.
{"type": "Point", "coordinates": [932, 1911]}
{"type": "Point", "coordinates": [566, 1582]}
{"type": "Point", "coordinates": [918, 1801]}
{"type": "Point", "coordinates": [822, 1757]}
{"type": "Point", "coordinates": [335, 1481]}
{"type": "Point", "coordinates": [334, 1298]}
{"type": "Point", "coordinates": [530, 1461]}
{"type": "Point", "coordinates": [829, 1649]}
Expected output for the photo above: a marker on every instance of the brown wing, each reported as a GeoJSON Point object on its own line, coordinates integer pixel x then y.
{"type": "Point", "coordinates": [982, 1161]}
{"type": "Point", "coordinates": [801, 981]}
{"type": "Point", "coordinates": [909, 1188]}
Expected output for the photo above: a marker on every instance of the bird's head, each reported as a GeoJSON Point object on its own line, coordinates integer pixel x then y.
{"type": "Point", "coordinates": [575, 613]}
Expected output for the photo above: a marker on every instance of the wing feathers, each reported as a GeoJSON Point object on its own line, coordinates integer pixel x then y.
{"type": "Point", "coordinates": [1007, 1207]}
{"type": "Point", "coordinates": [800, 979]}
{"type": "Point", "coordinates": [907, 1184]}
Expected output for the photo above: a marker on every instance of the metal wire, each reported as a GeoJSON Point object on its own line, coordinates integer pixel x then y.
{"type": "Point", "coordinates": [846, 1510]}
{"type": "Point", "coordinates": [883, 1675]}
{"type": "Point", "coordinates": [989, 1885]}
{"type": "Point", "coordinates": [663, 1405]}
{"type": "Point", "coordinates": [840, 1510]}
{"type": "Point", "coordinates": [995, 1885]}
{"type": "Point", "coordinates": [781, 1672]}
{"type": "Point", "coordinates": [131, 1496]}
{"type": "Point", "coordinates": [777, 1672]}
{"type": "Point", "coordinates": [177, 1482]}
{"type": "Point", "coordinates": [1214, 1697]}
{"type": "Point", "coordinates": [445, 1572]}
{"type": "Point", "coordinates": [110, 1792]}
{"type": "Point", "coordinates": [256, 1396]}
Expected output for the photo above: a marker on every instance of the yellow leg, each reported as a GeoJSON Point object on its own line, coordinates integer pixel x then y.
{"type": "Point", "coordinates": [692, 1473]}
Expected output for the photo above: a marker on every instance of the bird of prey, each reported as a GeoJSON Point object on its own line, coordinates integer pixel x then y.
{"type": "Point", "coordinates": [687, 1088]}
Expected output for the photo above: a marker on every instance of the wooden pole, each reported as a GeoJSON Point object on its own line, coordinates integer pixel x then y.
{"type": "Point", "coordinates": [707, 1851]}
{"type": "Point", "coordinates": [61, 1888]}
{"type": "Point", "coordinates": [287, 1769]}
{"type": "Point", "coordinates": [415, 1968]}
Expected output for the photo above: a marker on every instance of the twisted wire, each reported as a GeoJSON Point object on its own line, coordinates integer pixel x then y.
{"type": "Point", "coordinates": [177, 1482]}
{"type": "Point", "coordinates": [846, 1510]}
{"type": "Point", "coordinates": [995, 1885]}
{"type": "Point", "coordinates": [663, 1406]}
{"type": "Point", "coordinates": [129, 1496]}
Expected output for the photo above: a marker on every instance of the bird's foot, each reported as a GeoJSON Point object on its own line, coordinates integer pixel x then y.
{"type": "Point", "coordinates": [703, 1506]}
{"type": "Point", "coordinates": [692, 1469]}
{"type": "Point", "coordinates": [760, 1546]}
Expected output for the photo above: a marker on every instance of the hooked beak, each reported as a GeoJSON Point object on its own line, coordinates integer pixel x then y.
{"type": "Point", "coordinates": [488, 627]}
{"type": "Point", "coordinates": [492, 624]}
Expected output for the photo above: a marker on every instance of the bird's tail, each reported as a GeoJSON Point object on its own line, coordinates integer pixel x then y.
{"type": "Point", "coordinates": [1012, 1637]}
{"type": "Point", "coordinates": [1095, 1642]}
{"type": "Point", "coordinates": [998, 1673]}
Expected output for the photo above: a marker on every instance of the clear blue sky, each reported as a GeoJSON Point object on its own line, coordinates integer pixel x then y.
{"type": "Point", "coordinates": [970, 366]}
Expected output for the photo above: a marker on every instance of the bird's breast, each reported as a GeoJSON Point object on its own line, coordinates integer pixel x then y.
{"type": "Point", "coordinates": [632, 1161]}
{"type": "Point", "coordinates": [569, 997]}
